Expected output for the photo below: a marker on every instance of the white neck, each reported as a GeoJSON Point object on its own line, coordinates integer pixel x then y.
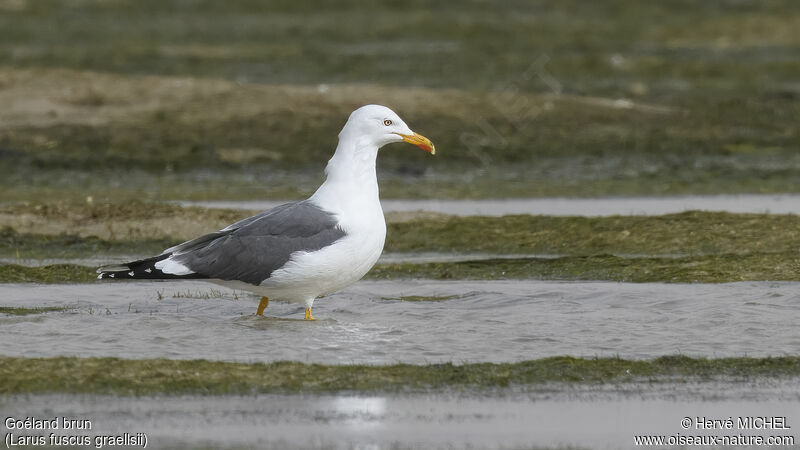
{"type": "Point", "coordinates": [351, 182]}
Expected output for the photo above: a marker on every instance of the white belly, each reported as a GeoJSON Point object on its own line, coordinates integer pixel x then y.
{"type": "Point", "coordinates": [308, 275]}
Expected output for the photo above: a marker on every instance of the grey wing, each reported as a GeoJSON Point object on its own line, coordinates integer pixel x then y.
{"type": "Point", "coordinates": [260, 244]}
{"type": "Point", "coordinates": [199, 242]}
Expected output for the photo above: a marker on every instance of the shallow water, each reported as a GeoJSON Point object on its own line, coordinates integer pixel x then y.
{"type": "Point", "coordinates": [553, 419]}
{"type": "Point", "coordinates": [590, 207]}
{"type": "Point", "coordinates": [486, 321]}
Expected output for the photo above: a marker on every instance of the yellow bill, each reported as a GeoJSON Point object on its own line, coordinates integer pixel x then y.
{"type": "Point", "coordinates": [420, 141]}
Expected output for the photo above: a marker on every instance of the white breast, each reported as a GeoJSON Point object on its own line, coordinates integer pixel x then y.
{"type": "Point", "coordinates": [350, 193]}
{"type": "Point", "coordinates": [308, 275]}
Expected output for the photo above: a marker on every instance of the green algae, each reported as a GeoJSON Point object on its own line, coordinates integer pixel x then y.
{"type": "Point", "coordinates": [686, 247]}
{"type": "Point", "coordinates": [422, 298]}
{"type": "Point", "coordinates": [200, 377]}
{"type": "Point", "coordinates": [22, 311]}
{"type": "Point", "coordinates": [692, 232]}
{"type": "Point", "coordinates": [38, 246]}
{"type": "Point", "coordinates": [684, 234]}
{"type": "Point", "coordinates": [690, 269]}
{"type": "Point", "coordinates": [54, 273]}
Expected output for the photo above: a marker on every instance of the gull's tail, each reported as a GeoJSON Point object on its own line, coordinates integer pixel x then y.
{"type": "Point", "coordinates": [143, 269]}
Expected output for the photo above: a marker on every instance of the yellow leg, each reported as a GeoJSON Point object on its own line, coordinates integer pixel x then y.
{"type": "Point", "coordinates": [262, 306]}
{"type": "Point", "coordinates": [308, 314]}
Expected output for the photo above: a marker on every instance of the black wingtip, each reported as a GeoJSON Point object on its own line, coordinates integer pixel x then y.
{"type": "Point", "coordinates": [144, 269]}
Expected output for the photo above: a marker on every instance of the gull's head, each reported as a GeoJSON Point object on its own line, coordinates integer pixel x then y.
{"type": "Point", "coordinates": [380, 125]}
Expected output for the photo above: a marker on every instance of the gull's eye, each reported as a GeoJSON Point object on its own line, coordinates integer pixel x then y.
{"type": "Point", "coordinates": [387, 122]}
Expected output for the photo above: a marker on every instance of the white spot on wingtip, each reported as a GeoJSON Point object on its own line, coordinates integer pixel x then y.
{"type": "Point", "coordinates": [172, 267]}
{"type": "Point", "coordinates": [130, 273]}
{"type": "Point", "coordinates": [111, 275]}
{"type": "Point", "coordinates": [148, 270]}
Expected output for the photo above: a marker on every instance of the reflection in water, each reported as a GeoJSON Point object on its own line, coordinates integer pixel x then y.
{"type": "Point", "coordinates": [360, 412]}
{"type": "Point", "coordinates": [599, 417]}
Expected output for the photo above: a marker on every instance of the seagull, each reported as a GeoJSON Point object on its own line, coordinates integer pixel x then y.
{"type": "Point", "coordinates": [301, 250]}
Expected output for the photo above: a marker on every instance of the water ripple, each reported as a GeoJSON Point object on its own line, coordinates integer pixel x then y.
{"type": "Point", "coordinates": [496, 321]}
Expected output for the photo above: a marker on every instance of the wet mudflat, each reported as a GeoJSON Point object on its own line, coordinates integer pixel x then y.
{"type": "Point", "coordinates": [152, 109]}
{"type": "Point", "coordinates": [389, 322]}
